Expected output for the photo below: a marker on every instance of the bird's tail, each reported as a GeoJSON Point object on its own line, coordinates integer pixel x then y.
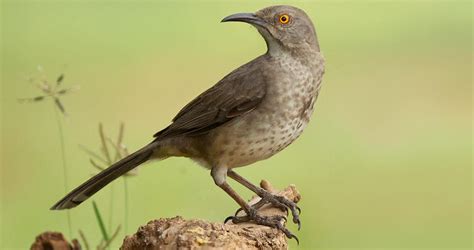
{"type": "Point", "coordinates": [96, 183]}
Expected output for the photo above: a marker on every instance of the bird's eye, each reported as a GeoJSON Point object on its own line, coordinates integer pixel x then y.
{"type": "Point", "coordinates": [284, 19]}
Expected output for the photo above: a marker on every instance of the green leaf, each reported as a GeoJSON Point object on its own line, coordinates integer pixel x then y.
{"type": "Point", "coordinates": [100, 221]}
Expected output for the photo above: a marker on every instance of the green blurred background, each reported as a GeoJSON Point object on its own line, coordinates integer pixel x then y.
{"type": "Point", "coordinates": [385, 163]}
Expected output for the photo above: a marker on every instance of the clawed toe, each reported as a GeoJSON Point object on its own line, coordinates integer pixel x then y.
{"type": "Point", "coordinates": [279, 202]}
{"type": "Point", "coordinates": [284, 204]}
{"type": "Point", "coordinates": [229, 218]}
{"type": "Point", "coordinates": [276, 221]}
{"type": "Point", "coordinates": [237, 219]}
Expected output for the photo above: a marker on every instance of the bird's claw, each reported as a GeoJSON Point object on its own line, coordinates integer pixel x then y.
{"type": "Point", "coordinates": [284, 204]}
{"type": "Point", "coordinates": [237, 212]}
{"type": "Point", "coordinates": [270, 221]}
{"type": "Point", "coordinates": [279, 202]}
{"type": "Point", "coordinates": [276, 222]}
{"type": "Point", "coordinates": [229, 218]}
{"type": "Point", "coordinates": [295, 210]}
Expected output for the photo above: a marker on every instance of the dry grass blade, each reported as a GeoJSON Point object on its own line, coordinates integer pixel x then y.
{"type": "Point", "coordinates": [34, 99]}
{"type": "Point", "coordinates": [44, 86]}
{"type": "Point", "coordinates": [92, 154]}
{"type": "Point", "coordinates": [60, 105]}
{"type": "Point", "coordinates": [118, 154]}
{"type": "Point", "coordinates": [84, 240]}
{"type": "Point", "coordinates": [96, 165]}
{"type": "Point", "coordinates": [59, 80]}
{"type": "Point", "coordinates": [103, 140]}
{"type": "Point", "coordinates": [67, 90]}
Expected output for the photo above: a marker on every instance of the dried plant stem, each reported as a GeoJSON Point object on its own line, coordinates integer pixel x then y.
{"type": "Point", "coordinates": [64, 162]}
{"type": "Point", "coordinates": [103, 139]}
{"type": "Point", "coordinates": [84, 240]}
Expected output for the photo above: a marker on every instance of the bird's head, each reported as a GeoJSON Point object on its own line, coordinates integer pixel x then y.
{"type": "Point", "coordinates": [282, 27]}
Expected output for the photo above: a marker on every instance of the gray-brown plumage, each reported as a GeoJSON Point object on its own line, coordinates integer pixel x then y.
{"type": "Point", "coordinates": [251, 114]}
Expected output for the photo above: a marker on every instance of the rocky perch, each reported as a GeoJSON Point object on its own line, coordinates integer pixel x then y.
{"type": "Point", "coordinates": [178, 233]}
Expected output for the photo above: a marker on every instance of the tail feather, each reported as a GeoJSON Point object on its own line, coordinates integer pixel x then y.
{"type": "Point", "coordinates": [96, 183]}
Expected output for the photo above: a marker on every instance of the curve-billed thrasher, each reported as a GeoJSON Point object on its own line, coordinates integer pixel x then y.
{"type": "Point", "coordinates": [251, 114]}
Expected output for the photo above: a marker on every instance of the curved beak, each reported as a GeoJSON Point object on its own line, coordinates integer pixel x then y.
{"type": "Point", "coordinates": [246, 18]}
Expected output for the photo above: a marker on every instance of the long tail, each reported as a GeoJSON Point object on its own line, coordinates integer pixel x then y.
{"type": "Point", "coordinates": [96, 183]}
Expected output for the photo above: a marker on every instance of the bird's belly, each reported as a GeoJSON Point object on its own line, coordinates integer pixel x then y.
{"type": "Point", "coordinates": [261, 134]}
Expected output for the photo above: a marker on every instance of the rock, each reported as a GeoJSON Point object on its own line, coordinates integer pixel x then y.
{"type": "Point", "coordinates": [54, 240]}
{"type": "Point", "coordinates": [178, 233]}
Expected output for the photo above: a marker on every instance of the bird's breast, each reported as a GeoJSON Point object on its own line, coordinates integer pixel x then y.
{"type": "Point", "coordinates": [292, 89]}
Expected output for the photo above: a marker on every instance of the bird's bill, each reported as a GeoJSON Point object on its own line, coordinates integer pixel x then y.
{"type": "Point", "coordinates": [246, 18]}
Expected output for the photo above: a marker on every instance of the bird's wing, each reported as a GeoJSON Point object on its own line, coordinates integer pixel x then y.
{"type": "Point", "coordinates": [236, 94]}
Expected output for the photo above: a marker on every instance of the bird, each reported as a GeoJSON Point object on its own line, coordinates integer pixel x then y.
{"type": "Point", "coordinates": [251, 114]}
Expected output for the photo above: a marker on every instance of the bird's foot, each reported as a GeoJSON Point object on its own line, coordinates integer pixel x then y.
{"type": "Point", "coordinates": [276, 221]}
{"type": "Point", "coordinates": [279, 202]}
{"type": "Point", "coordinates": [284, 204]}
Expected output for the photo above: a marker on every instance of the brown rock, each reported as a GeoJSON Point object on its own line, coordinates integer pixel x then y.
{"type": "Point", "coordinates": [178, 233]}
{"type": "Point", "coordinates": [54, 240]}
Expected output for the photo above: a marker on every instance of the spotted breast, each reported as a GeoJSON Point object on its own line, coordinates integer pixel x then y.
{"type": "Point", "coordinates": [281, 117]}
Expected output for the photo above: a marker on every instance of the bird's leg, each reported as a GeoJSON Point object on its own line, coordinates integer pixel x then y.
{"type": "Point", "coordinates": [267, 197]}
{"type": "Point", "coordinates": [219, 176]}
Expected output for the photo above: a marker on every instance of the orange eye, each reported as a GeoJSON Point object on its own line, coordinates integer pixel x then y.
{"type": "Point", "coordinates": [284, 19]}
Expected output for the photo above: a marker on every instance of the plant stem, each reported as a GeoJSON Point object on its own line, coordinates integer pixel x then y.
{"type": "Point", "coordinates": [63, 156]}
{"type": "Point", "coordinates": [100, 221]}
{"type": "Point", "coordinates": [84, 240]}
